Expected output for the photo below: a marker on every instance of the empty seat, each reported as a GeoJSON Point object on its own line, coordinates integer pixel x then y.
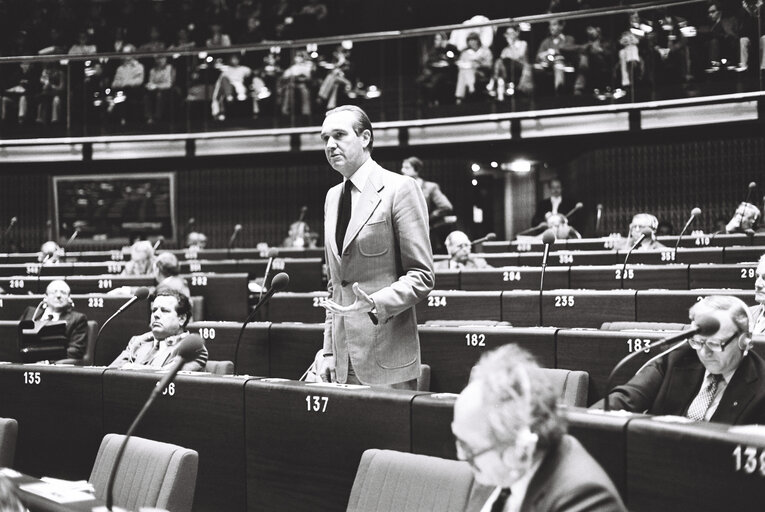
{"type": "Point", "coordinates": [151, 474]}
{"type": "Point", "coordinates": [571, 385]}
{"type": "Point", "coordinates": [388, 480]}
{"type": "Point", "coordinates": [220, 367]}
{"type": "Point", "coordinates": [9, 430]}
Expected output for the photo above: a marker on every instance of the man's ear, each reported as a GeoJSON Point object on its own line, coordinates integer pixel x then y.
{"type": "Point", "coordinates": [366, 136]}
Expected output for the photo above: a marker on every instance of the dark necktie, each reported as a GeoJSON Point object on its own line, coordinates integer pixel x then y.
{"type": "Point", "coordinates": [343, 215]}
{"type": "Point", "coordinates": [700, 405]}
{"type": "Point", "coordinates": [499, 503]}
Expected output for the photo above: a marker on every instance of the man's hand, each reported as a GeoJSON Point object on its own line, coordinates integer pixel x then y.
{"type": "Point", "coordinates": [362, 304]}
{"type": "Point", "coordinates": [326, 369]}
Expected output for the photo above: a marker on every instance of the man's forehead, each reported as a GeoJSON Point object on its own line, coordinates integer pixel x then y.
{"type": "Point", "coordinates": [56, 286]}
{"type": "Point", "coordinates": [338, 121]}
{"type": "Point", "coordinates": [727, 325]}
{"type": "Point", "coordinates": [165, 300]}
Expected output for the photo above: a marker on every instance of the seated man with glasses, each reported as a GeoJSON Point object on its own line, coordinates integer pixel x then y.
{"type": "Point", "coordinates": [507, 427]}
{"type": "Point", "coordinates": [458, 245]}
{"type": "Point", "coordinates": [642, 223]}
{"type": "Point", "coordinates": [715, 378]}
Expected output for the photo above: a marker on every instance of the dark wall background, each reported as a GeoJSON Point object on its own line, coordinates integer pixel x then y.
{"type": "Point", "coordinates": [666, 173]}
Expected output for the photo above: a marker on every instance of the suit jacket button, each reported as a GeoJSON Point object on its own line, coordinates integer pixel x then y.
{"type": "Point", "coordinates": [343, 283]}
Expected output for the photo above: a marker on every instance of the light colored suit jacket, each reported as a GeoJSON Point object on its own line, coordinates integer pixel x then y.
{"type": "Point", "coordinates": [141, 350]}
{"type": "Point", "coordinates": [387, 251]}
{"type": "Point", "coordinates": [755, 314]}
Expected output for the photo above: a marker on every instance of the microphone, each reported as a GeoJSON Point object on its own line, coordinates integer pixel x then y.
{"type": "Point", "coordinates": [278, 283]}
{"type": "Point", "coordinates": [159, 241]}
{"type": "Point", "coordinates": [303, 211]}
{"type": "Point", "coordinates": [541, 225]}
{"type": "Point", "coordinates": [752, 186]}
{"type": "Point", "coordinates": [273, 252]}
{"type": "Point", "coordinates": [706, 325]}
{"type": "Point", "coordinates": [598, 218]}
{"type": "Point", "coordinates": [13, 222]}
{"type": "Point", "coordinates": [41, 304]}
{"type": "Point", "coordinates": [71, 239]}
{"type": "Point", "coordinates": [235, 234]}
{"type": "Point", "coordinates": [645, 232]}
{"type": "Point", "coordinates": [548, 238]}
{"type": "Point", "coordinates": [489, 237]}
{"type": "Point", "coordinates": [49, 228]}
{"type": "Point", "coordinates": [186, 352]}
{"type": "Point", "coordinates": [575, 209]}
{"type": "Point", "coordinates": [694, 213]}
{"type": "Point", "coordinates": [140, 294]}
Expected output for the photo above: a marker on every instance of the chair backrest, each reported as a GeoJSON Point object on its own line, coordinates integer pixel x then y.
{"type": "Point", "coordinates": [423, 381]}
{"type": "Point", "coordinates": [388, 480]}
{"type": "Point", "coordinates": [571, 385]}
{"type": "Point", "coordinates": [90, 348]}
{"type": "Point", "coordinates": [220, 367]}
{"type": "Point", "coordinates": [151, 474]}
{"type": "Point", "coordinates": [197, 308]}
{"type": "Point", "coordinates": [9, 430]}
{"type": "Point", "coordinates": [643, 326]}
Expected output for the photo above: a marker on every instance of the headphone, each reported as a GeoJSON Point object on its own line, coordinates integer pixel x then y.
{"type": "Point", "coordinates": [748, 342]}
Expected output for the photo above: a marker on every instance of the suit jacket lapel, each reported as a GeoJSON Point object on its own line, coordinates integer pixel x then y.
{"type": "Point", "coordinates": [330, 222]}
{"type": "Point", "coordinates": [368, 201]}
{"type": "Point", "coordinates": [741, 388]}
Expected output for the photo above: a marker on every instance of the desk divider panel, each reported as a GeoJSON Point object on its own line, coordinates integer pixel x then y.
{"type": "Point", "coordinates": [293, 348]}
{"type": "Point", "coordinates": [60, 415]}
{"type": "Point", "coordinates": [304, 442]}
{"type": "Point", "coordinates": [739, 276]}
{"type": "Point", "coordinates": [459, 305]}
{"type": "Point", "coordinates": [673, 306]}
{"type": "Point", "coordinates": [295, 307]}
{"type": "Point", "coordinates": [561, 257]}
{"type": "Point", "coordinates": [100, 284]}
{"type": "Point", "coordinates": [501, 259]}
{"type": "Point", "coordinates": [226, 295]}
{"type": "Point", "coordinates": [598, 352]}
{"type": "Point", "coordinates": [513, 278]}
{"type": "Point", "coordinates": [672, 276]}
{"type": "Point", "coordinates": [203, 412]}
{"type": "Point", "coordinates": [452, 351]}
{"type": "Point", "coordinates": [22, 285]}
{"type": "Point", "coordinates": [587, 308]}
{"type": "Point", "coordinates": [9, 341]}
{"type": "Point", "coordinates": [701, 467]}
{"type": "Point", "coordinates": [668, 255]}
{"type": "Point", "coordinates": [220, 341]}
{"type": "Point", "coordinates": [521, 308]}
{"type": "Point", "coordinates": [447, 279]}
{"type": "Point", "coordinates": [432, 417]}
{"type": "Point", "coordinates": [743, 254]}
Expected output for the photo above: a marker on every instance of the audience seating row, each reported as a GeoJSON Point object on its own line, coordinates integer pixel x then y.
{"type": "Point", "coordinates": [525, 308]}
{"type": "Point", "coordinates": [270, 444]}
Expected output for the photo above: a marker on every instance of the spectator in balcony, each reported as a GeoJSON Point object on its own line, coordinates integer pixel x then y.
{"type": "Point", "coordinates": [20, 90]}
{"type": "Point", "coordinates": [512, 70]}
{"type": "Point", "coordinates": [159, 90]}
{"type": "Point", "coordinates": [459, 248]}
{"type": "Point", "coordinates": [83, 46]}
{"type": "Point", "coordinates": [217, 39]}
{"type": "Point", "coordinates": [127, 86]}
{"type": "Point", "coordinates": [642, 223]}
{"type": "Point", "coordinates": [439, 76]}
{"type": "Point", "coordinates": [474, 68]}
{"type": "Point", "coordinates": [182, 41]}
{"type": "Point", "coordinates": [672, 58]}
{"type": "Point", "coordinates": [596, 63]}
{"type": "Point", "coordinates": [253, 30]}
{"type": "Point", "coordinates": [337, 79]}
{"type": "Point", "coordinates": [744, 220]}
{"type": "Point", "coordinates": [631, 64]}
{"type": "Point", "coordinates": [554, 58]}
{"type": "Point", "coordinates": [52, 86]}
{"type": "Point", "coordinates": [311, 19]}
{"type": "Point", "coordinates": [119, 41]}
{"type": "Point", "coordinates": [231, 87]}
{"type": "Point", "coordinates": [295, 85]}
{"type": "Point", "coordinates": [155, 42]}
{"type": "Point", "coordinates": [728, 44]}
{"type": "Point", "coordinates": [141, 259]}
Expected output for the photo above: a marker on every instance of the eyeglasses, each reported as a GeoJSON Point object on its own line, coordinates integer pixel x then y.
{"type": "Point", "coordinates": [696, 342]}
{"type": "Point", "coordinates": [469, 456]}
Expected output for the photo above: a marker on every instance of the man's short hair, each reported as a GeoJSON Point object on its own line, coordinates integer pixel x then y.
{"type": "Point", "coordinates": [517, 395]}
{"type": "Point", "coordinates": [361, 122]}
{"type": "Point", "coordinates": [451, 240]}
{"type": "Point", "coordinates": [416, 163]}
{"type": "Point", "coordinates": [182, 308]}
{"type": "Point", "coordinates": [167, 264]}
{"type": "Point", "coordinates": [736, 308]}
{"type": "Point", "coordinates": [60, 282]}
{"type": "Point", "coordinates": [474, 37]}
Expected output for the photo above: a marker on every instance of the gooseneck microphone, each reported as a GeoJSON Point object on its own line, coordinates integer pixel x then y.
{"type": "Point", "coordinates": [705, 325]}
{"type": "Point", "coordinates": [488, 238]}
{"type": "Point", "coordinates": [278, 283]}
{"type": "Point", "coordinates": [548, 238]}
{"type": "Point", "coordinates": [575, 209]}
{"type": "Point", "coordinates": [694, 213]}
{"type": "Point", "coordinates": [303, 211]}
{"type": "Point", "coordinates": [750, 188]}
{"type": "Point", "coordinates": [158, 242]}
{"type": "Point", "coordinates": [541, 225]}
{"type": "Point", "coordinates": [645, 233]}
{"type": "Point", "coordinates": [235, 234]}
{"type": "Point", "coordinates": [598, 218]}
{"type": "Point", "coordinates": [140, 294]}
{"type": "Point", "coordinates": [273, 252]}
{"type": "Point", "coordinates": [13, 222]}
{"type": "Point", "coordinates": [186, 352]}
{"type": "Point", "coordinates": [75, 233]}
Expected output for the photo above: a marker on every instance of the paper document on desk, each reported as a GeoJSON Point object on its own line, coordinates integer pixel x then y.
{"type": "Point", "coordinates": [55, 492]}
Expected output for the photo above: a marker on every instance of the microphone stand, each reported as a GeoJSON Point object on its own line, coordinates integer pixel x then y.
{"type": "Point", "coordinates": [626, 258]}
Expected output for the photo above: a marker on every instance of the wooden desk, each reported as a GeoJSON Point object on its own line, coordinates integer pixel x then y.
{"type": "Point", "coordinates": [740, 276]}
{"type": "Point", "coordinates": [672, 276]}
{"type": "Point", "coordinates": [295, 307]}
{"type": "Point", "coordinates": [513, 278]}
{"type": "Point", "coordinates": [673, 306]}
{"type": "Point", "coordinates": [459, 305]}
{"type": "Point", "coordinates": [220, 340]}
{"type": "Point", "coordinates": [587, 308]}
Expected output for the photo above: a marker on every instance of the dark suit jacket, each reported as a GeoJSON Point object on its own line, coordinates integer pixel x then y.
{"type": "Point", "coordinates": [568, 480]}
{"type": "Point", "coordinates": [76, 330]}
{"type": "Point", "coordinates": [669, 385]}
{"type": "Point", "coordinates": [545, 205]}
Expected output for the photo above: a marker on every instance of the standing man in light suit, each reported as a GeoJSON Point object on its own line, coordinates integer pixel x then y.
{"type": "Point", "coordinates": [379, 261]}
